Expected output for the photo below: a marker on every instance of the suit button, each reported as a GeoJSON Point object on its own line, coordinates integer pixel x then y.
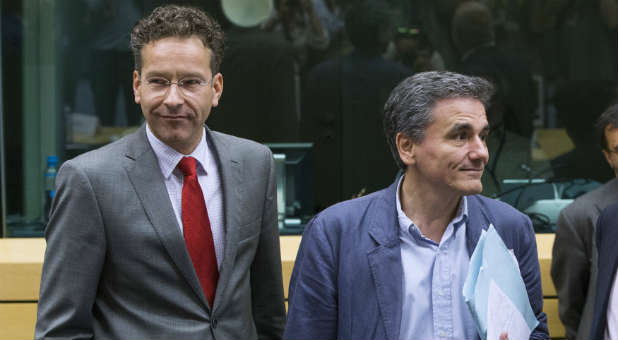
{"type": "Point", "coordinates": [213, 323]}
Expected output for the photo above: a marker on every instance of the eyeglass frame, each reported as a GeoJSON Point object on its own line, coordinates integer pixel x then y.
{"type": "Point", "coordinates": [179, 84]}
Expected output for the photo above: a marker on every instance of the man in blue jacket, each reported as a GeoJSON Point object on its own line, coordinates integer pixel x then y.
{"type": "Point", "coordinates": [392, 264]}
{"type": "Point", "coordinates": [605, 320]}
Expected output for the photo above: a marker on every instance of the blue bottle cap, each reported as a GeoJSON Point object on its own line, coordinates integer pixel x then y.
{"type": "Point", "coordinates": [52, 160]}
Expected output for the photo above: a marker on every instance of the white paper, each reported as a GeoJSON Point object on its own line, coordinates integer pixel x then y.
{"type": "Point", "coordinates": [503, 316]}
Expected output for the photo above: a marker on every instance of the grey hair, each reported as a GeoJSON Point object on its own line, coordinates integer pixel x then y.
{"type": "Point", "coordinates": [409, 108]}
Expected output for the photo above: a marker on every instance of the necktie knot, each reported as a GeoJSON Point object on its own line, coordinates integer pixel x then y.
{"type": "Point", "coordinates": [187, 166]}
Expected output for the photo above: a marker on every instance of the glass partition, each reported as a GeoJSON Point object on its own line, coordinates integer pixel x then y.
{"type": "Point", "coordinates": [320, 74]}
{"type": "Point", "coordinates": [3, 231]}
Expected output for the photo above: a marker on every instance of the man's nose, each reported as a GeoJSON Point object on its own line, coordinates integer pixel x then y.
{"type": "Point", "coordinates": [174, 96]}
{"type": "Point", "coordinates": [478, 150]}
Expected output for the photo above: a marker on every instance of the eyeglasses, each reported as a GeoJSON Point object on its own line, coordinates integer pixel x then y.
{"type": "Point", "coordinates": [408, 31]}
{"type": "Point", "coordinates": [188, 86]}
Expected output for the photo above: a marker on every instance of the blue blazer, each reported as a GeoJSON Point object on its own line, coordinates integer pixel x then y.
{"type": "Point", "coordinates": [607, 238]}
{"type": "Point", "coordinates": [347, 278]}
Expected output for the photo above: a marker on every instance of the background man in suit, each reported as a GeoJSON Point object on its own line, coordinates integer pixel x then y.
{"type": "Point", "coordinates": [170, 232]}
{"type": "Point", "coordinates": [574, 255]}
{"type": "Point", "coordinates": [342, 106]}
{"type": "Point", "coordinates": [391, 265]}
{"type": "Point", "coordinates": [605, 320]}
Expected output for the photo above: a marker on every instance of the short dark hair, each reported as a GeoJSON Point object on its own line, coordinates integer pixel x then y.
{"type": "Point", "coordinates": [608, 118]}
{"type": "Point", "coordinates": [367, 23]}
{"type": "Point", "coordinates": [472, 26]}
{"type": "Point", "coordinates": [178, 21]}
{"type": "Point", "coordinates": [409, 108]}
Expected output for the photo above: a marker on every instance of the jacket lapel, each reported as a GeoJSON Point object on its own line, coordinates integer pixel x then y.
{"type": "Point", "coordinates": [385, 260]}
{"type": "Point", "coordinates": [609, 195]}
{"type": "Point", "coordinates": [148, 182]}
{"type": "Point", "coordinates": [230, 172]}
{"type": "Point", "coordinates": [477, 222]}
{"type": "Point", "coordinates": [608, 259]}
{"type": "Point", "coordinates": [606, 271]}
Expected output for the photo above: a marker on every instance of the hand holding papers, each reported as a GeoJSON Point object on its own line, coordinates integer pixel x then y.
{"type": "Point", "coordinates": [495, 292]}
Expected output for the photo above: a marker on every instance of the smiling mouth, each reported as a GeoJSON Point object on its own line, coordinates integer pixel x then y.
{"type": "Point", "coordinates": [473, 172]}
{"type": "Point", "coordinates": [172, 117]}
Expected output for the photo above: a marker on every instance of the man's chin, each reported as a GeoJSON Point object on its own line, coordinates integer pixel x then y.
{"type": "Point", "coordinates": [472, 188]}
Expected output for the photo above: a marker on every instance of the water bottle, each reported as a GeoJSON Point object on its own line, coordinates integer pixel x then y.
{"type": "Point", "coordinates": [50, 184]}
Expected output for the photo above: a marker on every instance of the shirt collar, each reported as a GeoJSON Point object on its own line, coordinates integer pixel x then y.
{"type": "Point", "coordinates": [405, 222]}
{"type": "Point", "coordinates": [168, 158]}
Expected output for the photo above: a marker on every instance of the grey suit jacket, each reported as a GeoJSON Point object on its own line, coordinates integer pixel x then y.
{"type": "Point", "coordinates": [116, 264]}
{"type": "Point", "coordinates": [574, 258]}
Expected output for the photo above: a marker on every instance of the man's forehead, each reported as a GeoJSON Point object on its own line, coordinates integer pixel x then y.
{"type": "Point", "coordinates": [467, 125]}
{"type": "Point", "coordinates": [459, 111]}
{"type": "Point", "coordinates": [174, 53]}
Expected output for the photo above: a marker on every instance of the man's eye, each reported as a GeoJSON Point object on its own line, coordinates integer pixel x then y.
{"type": "Point", "coordinates": [461, 136]}
{"type": "Point", "coordinates": [484, 137]}
{"type": "Point", "coordinates": [191, 82]}
{"type": "Point", "coordinates": [158, 82]}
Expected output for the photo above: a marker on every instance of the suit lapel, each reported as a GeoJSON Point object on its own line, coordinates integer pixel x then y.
{"type": "Point", "coordinates": [148, 182]}
{"type": "Point", "coordinates": [609, 195]}
{"type": "Point", "coordinates": [607, 269]}
{"type": "Point", "coordinates": [385, 260]}
{"type": "Point", "coordinates": [230, 171]}
{"type": "Point", "coordinates": [607, 264]}
{"type": "Point", "coordinates": [477, 222]}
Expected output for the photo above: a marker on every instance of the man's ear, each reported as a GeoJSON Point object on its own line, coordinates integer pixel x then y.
{"type": "Point", "coordinates": [217, 81]}
{"type": "Point", "coordinates": [136, 85]}
{"type": "Point", "coordinates": [405, 148]}
{"type": "Point", "coordinates": [608, 157]}
{"type": "Point", "coordinates": [607, 134]}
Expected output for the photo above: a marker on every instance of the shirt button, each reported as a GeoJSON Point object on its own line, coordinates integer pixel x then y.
{"type": "Point", "coordinates": [213, 323]}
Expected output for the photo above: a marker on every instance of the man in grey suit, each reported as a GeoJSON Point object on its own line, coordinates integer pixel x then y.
{"type": "Point", "coordinates": [574, 255]}
{"type": "Point", "coordinates": [138, 247]}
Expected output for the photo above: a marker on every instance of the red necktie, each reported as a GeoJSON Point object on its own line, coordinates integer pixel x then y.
{"type": "Point", "coordinates": [196, 228]}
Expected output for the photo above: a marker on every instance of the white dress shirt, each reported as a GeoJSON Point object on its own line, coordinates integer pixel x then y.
{"type": "Point", "coordinates": [611, 329]}
{"type": "Point", "coordinates": [208, 176]}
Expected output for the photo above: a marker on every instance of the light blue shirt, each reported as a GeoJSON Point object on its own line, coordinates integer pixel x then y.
{"type": "Point", "coordinates": [433, 276]}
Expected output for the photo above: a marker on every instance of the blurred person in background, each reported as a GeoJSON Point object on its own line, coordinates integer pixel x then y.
{"type": "Point", "coordinates": [574, 255]}
{"type": "Point", "coordinates": [300, 24]}
{"type": "Point", "coordinates": [411, 47]}
{"type": "Point", "coordinates": [260, 71]}
{"type": "Point", "coordinates": [342, 105]}
{"type": "Point", "coordinates": [579, 103]}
